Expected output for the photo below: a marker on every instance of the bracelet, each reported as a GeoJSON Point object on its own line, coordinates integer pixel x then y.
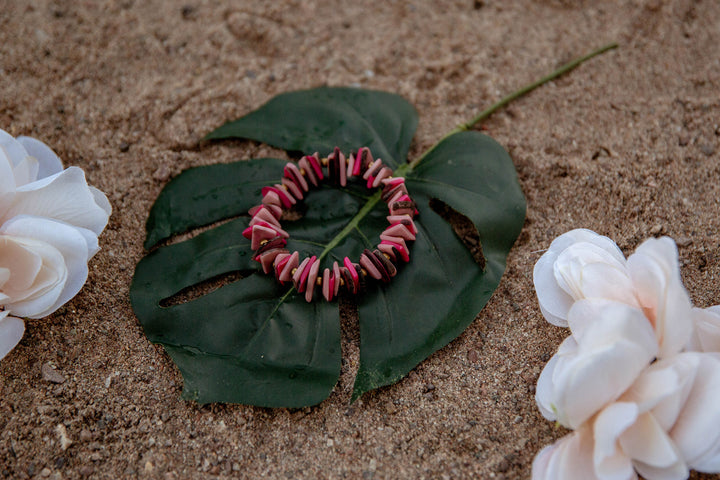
{"type": "Point", "coordinates": [268, 239]}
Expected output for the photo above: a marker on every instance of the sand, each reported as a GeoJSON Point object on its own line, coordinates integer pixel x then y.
{"type": "Point", "coordinates": [627, 145]}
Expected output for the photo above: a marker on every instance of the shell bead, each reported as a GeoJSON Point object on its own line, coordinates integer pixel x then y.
{"type": "Point", "coordinates": [269, 240]}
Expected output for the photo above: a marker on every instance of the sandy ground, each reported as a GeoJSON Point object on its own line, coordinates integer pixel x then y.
{"type": "Point", "coordinates": [627, 145]}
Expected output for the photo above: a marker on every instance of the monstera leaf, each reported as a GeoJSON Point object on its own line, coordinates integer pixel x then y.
{"type": "Point", "coordinates": [256, 342]}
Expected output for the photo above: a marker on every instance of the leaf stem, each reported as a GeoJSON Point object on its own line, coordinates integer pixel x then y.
{"type": "Point", "coordinates": [403, 169]}
{"type": "Point", "coordinates": [352, 224]}
{"type": "Point", "coordinates": [506, 100]}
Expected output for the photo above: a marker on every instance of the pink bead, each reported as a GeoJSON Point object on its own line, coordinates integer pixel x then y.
{"type": "Point", "coordinates": [363, 157]}
{"type": "Point", "coordinates": [327, 288]}
{"type": "Point", "coordinates": [292, 187]}
{"type": "Point", "coordinates": [286, 274]}
{"type": "Point", "coordinates": [343, 170]}
{"type": "Point", "coordinates": [314, 161]}
{"type": "Point", "coordinates": [388, 243]}
{"type": "Point", "coordinates": [267, 258]}
{"type": "Point", "coordinates": [400, 230]}
{"type": "Point", "coordinates": [264, 215]}
{"type": "Point", "coordinates": [259, 233]}
{"type": "Point", "coordinates": [300, 275]}
{"type": "Point", "coordinates": [314, 268]}
{"type": "Point", "coordinates": [350, 165]}
{"type": "Point", "coordinates": [304, 163]}
{"type": "Point", "coordinates": [280, 261]}
{"type": "Point", "coordinates": [382, 174]}
{"type": "Point", "coordinates": [395, 197]}
{"type": "Point", "coordinates": [373, 169]}
{"type": "Point", "coordinates": [249, 232]}
{"type": "Point", "coordinates": [395, 181]}
{"type": "Point", "coordinates": [275, 210]}
{"type": "Point", "coordinates": [353, 273]}
{"type": "Point", "coordinates": [369, 267]}
{"type": "Point", "coordinates": [292, 172]}
{"type": "Point", "coordinates": [403, 207]}
{"type": "Point", "coordinates": [394, 239]}
{"type": "Point", "coordinates": [336, 278]}
{"type": "Point", "coordinates": [386, 247]}
{"type": "Point", "coordinates": [286, 200]}
{"type": "Point", "coordinates": [271, 198]}
{"type": "Point", "coordinates": [285, 193]}
{"type": "Point", "coordinates": [404, 219]}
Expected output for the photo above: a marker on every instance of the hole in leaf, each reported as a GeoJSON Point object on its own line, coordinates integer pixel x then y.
{"type": "Point", "coordinates": [463, 227]}
{"type": "Point", "coordinates": [193, 292]}
{"type": "Point", "coordinates": [191, 233]}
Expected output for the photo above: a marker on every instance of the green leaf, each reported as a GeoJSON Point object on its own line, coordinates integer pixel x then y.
{"type": "Point", "coordinates": [255, 342]}
{"type": "Point", "coordinates": [247, 342]}
{"type": "Point", "coordinates": [205, 194]}
{"type": "Point", "coordinates": [439, 293]}
{"type": "Point", "coordinates": [318, 120]}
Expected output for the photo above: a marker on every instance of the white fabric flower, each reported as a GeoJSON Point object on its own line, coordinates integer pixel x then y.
{"type": "Point", "coordinates": [706, 335]}
{"type": "Point", "coordinates": [50, 220]}
{"type": "Point", "coordinates": [573, 268]}
{"type": "Point", "coordinates": [665, 424]}
{"type": "Point", "coordinates": [581, 265]}
{"type": "Point", "coordinates": [598, 363]}
{"type": "Point", "coordinates": [11, 331]}
{"type": "Point", "coordinates": [569, 458]}
{"type": "Point", "coordinates": [655, 272]}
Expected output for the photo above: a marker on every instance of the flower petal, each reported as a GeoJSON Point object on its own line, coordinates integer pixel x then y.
{"type": "Point", "coordinates": [653, 453]}
{"type": "Point", "coordinates": [26, 171]}
{"type": "Point", "coordinates": [664, 388]}
{"type": "Point", "coordinates": [49, 162]}
{"type": "Point", "coordinates": [572, 275]}
{"type": "Point", "coordinates": [614, 349]}
{"type": "Point", "coordinates": [14, 150]}
{"type": "Point", "coordinates": [583, 235]}
{"type": "Point", "coordinates": [64, 196]}
{"type": "Point", "coordinates": [655, 272]}
{"type": "Point", "coordinates": [544, 392]}
{"type": "Point", "coordinates": [606, 281]}
{"type": "Point", "coordinates": [696, 430]}
{"type": "Point", "coordinates": [37, 274]}
{"type": "Point", "coordinates": [558, 272]}
{"type": "Point", "coordinates": [66, 239]}
{"type": "Point", "coordinates": [609, 459]}
{"type": "Point", "coordinates": [101, 200]}
{"type": "Point", "coordinates": [7, 180]}
{"type": "Point", "coordinates": [11, 331]}
{"type": "Point", "coordinates": [569, 458]}
{"type": "Point", "coordinates": [706, 335]}
{"type": "Point", "coordinates": [21, 264]}
{"type": "Point", "coordinates": [554, 301]}
{"type": "Point", "coordinates": [4, 277]}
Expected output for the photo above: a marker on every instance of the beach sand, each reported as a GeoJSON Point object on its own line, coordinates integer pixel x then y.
{"type": "Point", "coordinates": [627, 145]}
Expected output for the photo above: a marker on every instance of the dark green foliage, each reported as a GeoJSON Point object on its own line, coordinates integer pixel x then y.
{"type": "Point", "coordinates": [253, 341]}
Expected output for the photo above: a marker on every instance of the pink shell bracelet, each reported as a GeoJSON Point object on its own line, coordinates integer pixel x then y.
{"type": "Point", "coordinates": [268, 239]}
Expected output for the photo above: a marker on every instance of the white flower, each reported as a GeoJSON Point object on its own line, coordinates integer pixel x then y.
{"type": "Point", "coordinates": [655, 273]}
{"type": "Point", "coordinates": [49, 223]}
{"type": "Point", "coordinates": [576, 266]}
{"type": "Point", "coordinates": [706, 336]}
{"type": "Point", "coordinates": [11, 331]}
{"type": "Point", "coordinates": [598, 363]}
{"type": "Point", "coordinates": [665, 424]}
{"type": "Point", "coordinates": [570, 458]}
{"type": "Point", "coordinates": [695, 428]}
{"type": "Point", "coordinates": [584, 265]}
